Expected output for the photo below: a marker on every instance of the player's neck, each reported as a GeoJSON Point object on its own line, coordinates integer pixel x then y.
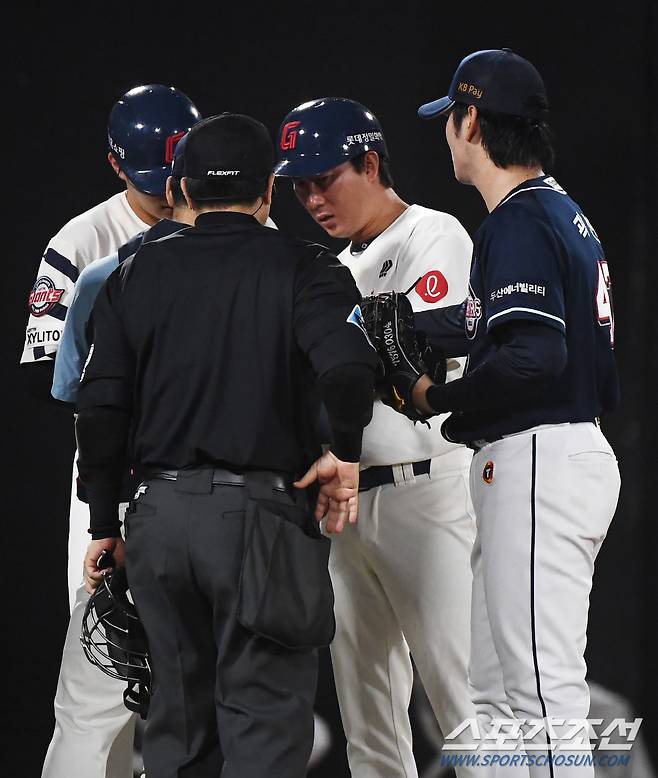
{"type": "Point", "coordinates": [386, 208]}
{"type": "Point", "coordinates": [145, 216]}
{"type": "Point", "coordinates": [494, 183]}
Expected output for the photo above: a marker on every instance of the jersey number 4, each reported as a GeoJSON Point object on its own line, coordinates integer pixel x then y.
{"type": "Point", "coordinates": [604, 300]}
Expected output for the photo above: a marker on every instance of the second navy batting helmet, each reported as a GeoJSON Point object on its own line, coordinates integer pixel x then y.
{"type": "Point", "coordinates": [114, 640]}
{"type": "Point", "coordinates": [321, 134]}
{"type": "Point", "coordinates": [143, 129]}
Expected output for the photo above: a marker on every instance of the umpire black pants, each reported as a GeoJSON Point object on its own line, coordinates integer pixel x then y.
{"type": "Point", "coordinates": [217, 688]}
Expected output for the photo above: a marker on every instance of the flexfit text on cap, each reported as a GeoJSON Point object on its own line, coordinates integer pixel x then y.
{"type": "Point", "coordinates": [496, 80]}
{"type": "Point", "coordinates": [229, 147]}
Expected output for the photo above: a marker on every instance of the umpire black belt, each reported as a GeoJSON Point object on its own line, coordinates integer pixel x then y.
{"type": "Point", "coordinates": [378, 475]}
{"type": "Point", "coordinates": [223, 477]}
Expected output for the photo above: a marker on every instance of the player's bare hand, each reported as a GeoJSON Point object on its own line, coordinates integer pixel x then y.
{"type": "Point", "coordinates": [419, 395]}
{"type": "Point", "coordinates": [93, 573]}
{"type": "Point", "coordinates": [338, 499]}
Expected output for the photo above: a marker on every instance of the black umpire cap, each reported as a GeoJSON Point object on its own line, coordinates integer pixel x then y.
{"type": "Point", "coordinates": [497, 80]}
{"type": "Point", "coordinates": [228, 156]}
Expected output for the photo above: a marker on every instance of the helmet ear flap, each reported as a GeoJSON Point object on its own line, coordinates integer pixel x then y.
{"type": "Point", "coordinates": [113, 639]}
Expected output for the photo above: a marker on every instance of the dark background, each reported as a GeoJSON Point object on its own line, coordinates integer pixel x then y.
{"type": "Point", "coordinates": [67, 68]}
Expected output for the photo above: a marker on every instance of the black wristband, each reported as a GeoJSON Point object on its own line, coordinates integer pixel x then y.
{"type": "Point", "coordinates": [100, 533]}
{"type": "Point", "coordinates": [436, 397]}
{"type": "Point", "coordinates": [346, 446]}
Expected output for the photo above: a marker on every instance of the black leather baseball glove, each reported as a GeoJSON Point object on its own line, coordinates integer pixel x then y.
{"type": "Point", "coordinates": [405, 353]}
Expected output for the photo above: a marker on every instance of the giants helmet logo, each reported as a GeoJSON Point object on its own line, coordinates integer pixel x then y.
{"type": "Point", "coordinates": [170, 146]}
{"type": "Point", "coordinates": [289, 135]}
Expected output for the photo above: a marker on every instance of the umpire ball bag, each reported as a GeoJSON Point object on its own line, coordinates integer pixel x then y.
{"type": "Point", "coordinates": [285, 592]}
{"type": "Point", "coordinates": [114, 640]}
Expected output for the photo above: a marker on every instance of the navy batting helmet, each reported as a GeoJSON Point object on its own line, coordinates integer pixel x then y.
{"type": "Point", "coordinates": [143, 129]}
{"type": "Point", "coordinates": [321, 134]}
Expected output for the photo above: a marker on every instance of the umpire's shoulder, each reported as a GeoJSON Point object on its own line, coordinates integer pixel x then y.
{"type": "Point", "coordinates": [307, 255]}
{"type": "Point", "coordinates": [314, 253]}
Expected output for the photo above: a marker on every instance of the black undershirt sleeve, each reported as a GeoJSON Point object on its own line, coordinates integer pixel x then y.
{"type": "Point", "coordinates": [37, 380]}
{"type": "Point", "coordinates": [528, 354]}
{"type": "Point", "coordinates": [445, 327]}
{"type": "Point", "coordinates": [347, 392]}
{"type": "Point", "coordinates": [102, 436]}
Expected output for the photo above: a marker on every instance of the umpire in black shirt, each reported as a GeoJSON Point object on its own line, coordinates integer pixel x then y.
{"type": "Point", "coordinates": [208, 348]}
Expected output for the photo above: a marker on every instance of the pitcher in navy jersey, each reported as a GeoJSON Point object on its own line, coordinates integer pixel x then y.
{"type": "Point", "coordinates": [538, 329]}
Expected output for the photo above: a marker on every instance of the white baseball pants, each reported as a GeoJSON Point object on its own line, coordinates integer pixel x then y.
{"type": "Point", "coordinates": [94, 731]}
{"type": "Point", "coordinates": [402, 582]}
{"type": "Point", "coordinates": [544, 500]}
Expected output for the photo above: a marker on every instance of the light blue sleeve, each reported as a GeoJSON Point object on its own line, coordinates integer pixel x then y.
{"type": "Point", "coordinates": [74, 346]}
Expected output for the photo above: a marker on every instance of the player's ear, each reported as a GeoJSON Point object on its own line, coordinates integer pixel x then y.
{"type": "Point", "coordinates": [115, 165]}
{"type": "Point", "coordinates": [371, 165]}
{"type": "Point", "coordinates": [471, 125]}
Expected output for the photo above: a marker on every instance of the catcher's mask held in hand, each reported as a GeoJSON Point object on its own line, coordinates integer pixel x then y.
{"type": "Point", "coordinates": [114, 640]}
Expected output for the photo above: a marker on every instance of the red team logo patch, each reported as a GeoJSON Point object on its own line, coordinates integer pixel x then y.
{"type": "Point", "coordinates": [487, 473]}
{"type": "Point", "coordinates": [43, 297]}
{"type": "Point", "coordinates": [432, 287]}
{"type": "Point", "coordinates": [289, 135]}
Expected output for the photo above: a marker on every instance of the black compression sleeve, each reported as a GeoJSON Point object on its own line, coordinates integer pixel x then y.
{"type": "Point", "coordinates": [528, 355]}
{"type": "Point", "coordinates": [347, 392]}
{"type": "Point", "coordinates": [445, 327]}
{"type": "Point", "coordinates": [37, 379]}
{"type": "Point", "coordinates": [102, 435]}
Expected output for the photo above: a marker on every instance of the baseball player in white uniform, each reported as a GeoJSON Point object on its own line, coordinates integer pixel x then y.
{"type": "Point", "coordinates": [401, 574]}
{"type": "Point", "coordinates": [93, 735]}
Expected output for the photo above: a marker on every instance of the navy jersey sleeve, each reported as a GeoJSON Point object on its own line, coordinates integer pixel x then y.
{"type": "Point", "coordinates": [522, 271]}
{"type": "Point", "coordinates": [107, 378]}
{"type": "Point", "coordinates": [328, 323]}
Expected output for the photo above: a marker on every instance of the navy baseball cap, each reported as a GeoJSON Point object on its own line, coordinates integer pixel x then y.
{"type": "Point", "coordinates": [497, 80]}
{"type": "Point", "coordinates": [225, 149]}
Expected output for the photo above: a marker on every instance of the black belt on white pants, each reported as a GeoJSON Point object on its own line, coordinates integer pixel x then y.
{"type": "Point", "coordinates": [477, 445]}
{"type": "Point", "coordinates": [379, 475]}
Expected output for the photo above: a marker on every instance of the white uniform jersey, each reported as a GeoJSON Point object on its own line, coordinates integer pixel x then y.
{"type": "Point", "coordinates": [430, 252]}
{"type": "Point", "coordinates": [87, 237]}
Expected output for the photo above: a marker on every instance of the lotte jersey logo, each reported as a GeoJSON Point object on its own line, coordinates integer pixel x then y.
{"type": "Point", "coordinates": [289, 135]}
{"type": "Point", "coordinates": [432, 287]}
{"type": "Point", "coordinates": [44, 296]}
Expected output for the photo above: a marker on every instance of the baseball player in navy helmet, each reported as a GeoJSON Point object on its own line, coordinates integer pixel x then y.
{"type": "Point", "coordinates": [402, 573]}
{"type": "Point", "coordinates": [538, 327]}
{"type": "Point", "coordinates": [144, 127]}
